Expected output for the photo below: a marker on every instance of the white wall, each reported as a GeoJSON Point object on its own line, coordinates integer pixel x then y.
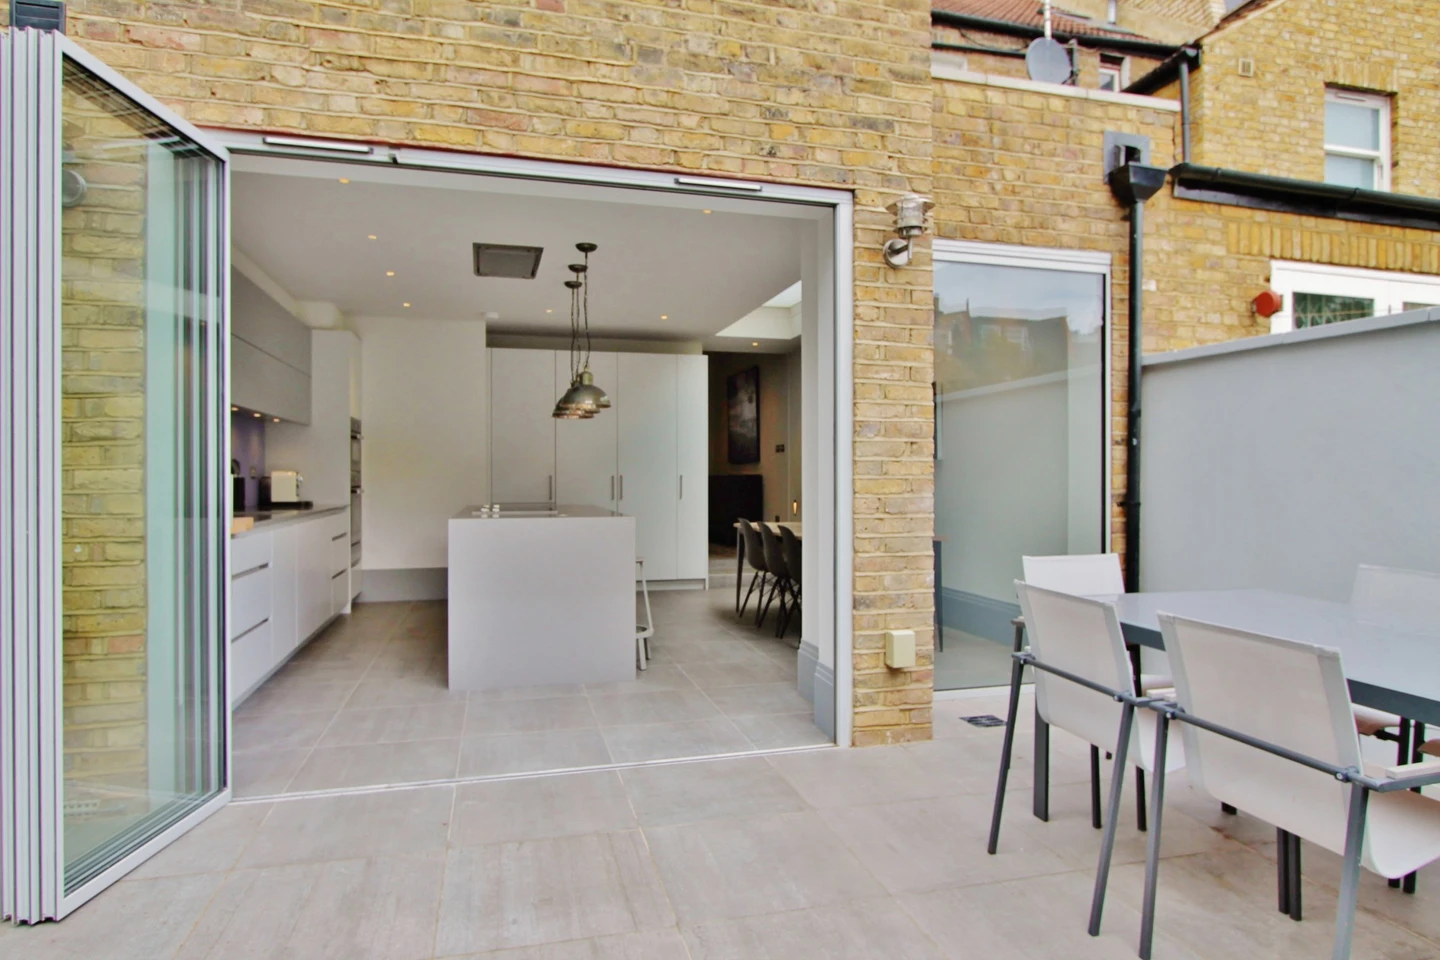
{"type": "Point", "coordinates": [426, 423]}
{"type": "Point", "coordinates": [1284, 461]}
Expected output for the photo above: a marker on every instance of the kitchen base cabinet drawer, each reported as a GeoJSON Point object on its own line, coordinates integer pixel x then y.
{"type": "Point", "coordinates": [339, 552]}
{"type": "Point", "coordinates": [250, 599]}
{"type": "Point", "coordinates": [251, 657]}
{"type": "Point", "coordinates": [250, 551]}
{"type": "Point", "coordinates": [340, 591]}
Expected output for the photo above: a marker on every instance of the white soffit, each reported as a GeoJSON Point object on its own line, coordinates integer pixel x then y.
{"type": "Point", "coordinates": [777, 319]}
{"type": "Point", "coordinates": [659, 255]}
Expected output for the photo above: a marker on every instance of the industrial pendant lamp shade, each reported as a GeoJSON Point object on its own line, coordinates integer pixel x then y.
{"type": "Point", "coordinates": [583, 399]}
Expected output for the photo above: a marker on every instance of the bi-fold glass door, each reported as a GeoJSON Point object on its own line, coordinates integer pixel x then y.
{"type": "Point", "coordinates": [113, 516]}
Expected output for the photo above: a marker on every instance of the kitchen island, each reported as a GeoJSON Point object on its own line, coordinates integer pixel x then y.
{"type": "Point", "coordinates": [540, 595]}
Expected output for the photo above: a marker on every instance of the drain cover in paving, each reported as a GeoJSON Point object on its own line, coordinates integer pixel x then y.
{"type": "Point", "coordinates": [984, 720]}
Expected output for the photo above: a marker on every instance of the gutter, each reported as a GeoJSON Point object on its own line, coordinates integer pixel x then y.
{"type": "Point", "coordinates": [1146, 47]}
{"type": "Point", "coordinates": [977, 48]}
{"type": "Point", "coordinates": [1168, 71]}
{"type": "Point", "coordinates": [1306, 197]}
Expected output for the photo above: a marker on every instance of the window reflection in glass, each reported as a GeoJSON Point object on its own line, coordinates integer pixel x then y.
{"type": "Point", "coordinates": [1020, 435]}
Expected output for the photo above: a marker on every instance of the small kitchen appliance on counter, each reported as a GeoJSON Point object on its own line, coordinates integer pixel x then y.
{"type": "Point", "coordinates": [284, 488]}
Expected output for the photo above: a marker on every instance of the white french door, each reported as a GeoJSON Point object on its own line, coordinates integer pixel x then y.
{"type": "Point", "coordinates": [113, 434]}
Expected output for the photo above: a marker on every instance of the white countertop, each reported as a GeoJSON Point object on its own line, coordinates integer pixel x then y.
{"type": "Point", "coordinates": [285, 518]}
{"type": "Point", "coordinates": [534, 511]}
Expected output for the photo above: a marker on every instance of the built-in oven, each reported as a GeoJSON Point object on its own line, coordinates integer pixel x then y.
{"type": "Point", "coordinates": [356, 492]}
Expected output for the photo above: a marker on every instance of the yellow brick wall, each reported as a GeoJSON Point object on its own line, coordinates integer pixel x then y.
{"type": "Point", "coordinates": [1017, 167]}
{"type": "Point", "coordinates": [1274, 122]}
{"type": "Point", "coordinates": [1005, 66]}
{"type": "Point", "coordinates": [102, 454]}
{"type": "Point", "coordinates": [831, 94]}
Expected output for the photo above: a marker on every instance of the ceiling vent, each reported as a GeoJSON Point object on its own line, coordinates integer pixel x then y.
{"type": "Point", "coordinates": [504, 260]}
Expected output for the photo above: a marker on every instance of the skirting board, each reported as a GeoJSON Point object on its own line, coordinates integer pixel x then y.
{"type": "Point", "coordinates": [401, 585]}
{"type": "Point", "coordinates": [825, 699]}
{"type": "Point", "coordinates": [978, 615]}
{"type": "Point", "coordinates": [807, 658]}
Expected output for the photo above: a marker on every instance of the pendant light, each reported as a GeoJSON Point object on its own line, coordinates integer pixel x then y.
{"type": "Point", "coordinates": [583, 399]}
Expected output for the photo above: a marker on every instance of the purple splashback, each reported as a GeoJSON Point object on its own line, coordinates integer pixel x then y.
{"type": "Point", "coordinates": [247, 444]}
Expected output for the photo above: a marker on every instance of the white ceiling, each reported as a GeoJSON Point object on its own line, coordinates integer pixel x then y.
{"type": "Point", "coordinates": [308, 231]}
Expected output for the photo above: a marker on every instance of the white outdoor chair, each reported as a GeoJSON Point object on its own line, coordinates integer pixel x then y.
{"type": "Point", "coordinates": [1299, 766]}
{"type": "Point", "coordinates": [1403, 599]}
{"type": "Point", "coordinates": [646, 630]}
{"type": "Point", "coordinates": [1087, 575]}
{"type": "Point", "coordinates": [1081, 637]}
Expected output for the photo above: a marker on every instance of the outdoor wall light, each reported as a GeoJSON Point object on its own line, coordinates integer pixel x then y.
{"type": "Point", "coordinates": [909, 213]}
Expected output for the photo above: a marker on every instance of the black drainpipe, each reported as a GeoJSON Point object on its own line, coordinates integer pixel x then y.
{"type": "Point", "coordinates": [1133, 183]}
{"type": "Point", "coordinates": [1186, 156]}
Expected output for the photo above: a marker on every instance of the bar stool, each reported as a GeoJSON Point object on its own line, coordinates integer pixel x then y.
{"type": "Point", "coordinates": [643, 631]}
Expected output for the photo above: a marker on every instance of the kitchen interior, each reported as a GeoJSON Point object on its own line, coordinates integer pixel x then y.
{"type": "Point", "coordinates": [491, 439]}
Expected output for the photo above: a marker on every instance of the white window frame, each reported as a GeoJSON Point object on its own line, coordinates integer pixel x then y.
{"type": "Point", "coordinates": [1389, 289]}
{"type": "Point", "coordinates": [1121, 70]}
{"type": "Point", "coordinates": [1380, 103]}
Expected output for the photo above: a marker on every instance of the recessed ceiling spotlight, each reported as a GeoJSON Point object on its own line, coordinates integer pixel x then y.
{"type": "Point", "coordinates": [389, 273]}
{"type": "Point", "coordinates": [706, 211]}
{"type": "Point", "coordinates": [234, 409]}
{"type": "Point", "coordinates": [405, 304]}
{"type": "Point", "coordinates": [344, 179]}
{"type": "Point", "coordinates": [549, 311]}
{"type": "Point", "coordinates": [664, 316]}
{"type": "Point", "coordinates": [277, 419]}
{"type": "Point", "coordinates": [257, 416]}
{"type": "Point", "coordinates": [371, 237]}
{"type": "Point", "coordinates": [754, 343]}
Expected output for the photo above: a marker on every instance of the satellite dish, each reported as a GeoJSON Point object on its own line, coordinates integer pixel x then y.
{"type": "Point", "coordinates": [1048, 61]}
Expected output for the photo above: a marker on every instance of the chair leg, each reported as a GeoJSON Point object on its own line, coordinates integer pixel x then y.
{"type": "Point", "coordinates": [1041, 787]}
{"type": "Point", "coordinates": [769, 600]}
{"type": "Point", "coordinates": [1417, 740]}
{"type": "Point", "coordinates": [1016, 668]}
{"type": "Point", "coordinates": [1140, 823]}
{"type": "Point", "coordinates": [1152, 854]}
{"type": "Point", "coordinates": [1282, 869]}
{"type": "Point", "coordinates": [756, 576]}
{"type": "Point", "coordinates": [1095, 787]}
{"type": "Point", "coordinates": [1350, 872]}
{"type": "Point", "coordinates": [1107, 841]}
{"type": "Point", "coordinates": [1292, 881]}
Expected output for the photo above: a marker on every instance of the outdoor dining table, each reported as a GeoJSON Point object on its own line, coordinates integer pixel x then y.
{"type": "Point", "coordinates": [1390, 668]}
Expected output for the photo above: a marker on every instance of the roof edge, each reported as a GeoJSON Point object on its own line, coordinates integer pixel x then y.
{"type": "Point", "coordinates": [1149, 47]}
{"type": "Point", "coordinates": [1166, 72]}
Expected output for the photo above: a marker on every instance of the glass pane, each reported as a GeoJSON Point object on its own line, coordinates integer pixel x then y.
{"type": "Point", "coordinates": [1020, 444]}
{"type": "Point", "coordinates": [1352, 125]}
{"type": "Point", "coordinates": [1350, 172]}
{"type": "Point", "coordinates": [143, 729]}
{"type": "Point", "coordinates": [1315, 309]}
{"type": "Point", "coordinates": [1412, 305]}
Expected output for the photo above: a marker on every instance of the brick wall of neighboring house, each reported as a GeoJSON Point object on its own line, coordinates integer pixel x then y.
{"type": "Point", "coordinates": [1021, 167]}
{"type": "Point", "coordinates": [104, 607]}
{"type": "Point", "coordinates": [999, 64]}
{"type": "Point", "coordinates": [1274, 122]}
{"type": "Point", "coordinates": [830, 95]}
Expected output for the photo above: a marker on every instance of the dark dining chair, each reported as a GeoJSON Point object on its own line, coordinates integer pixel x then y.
{"type": "Point", "coordinates": [755, 556]}
{"type": "Point", "coordinates": [779, 575]}
{"type": "Point", "coordinates": [790, 550]}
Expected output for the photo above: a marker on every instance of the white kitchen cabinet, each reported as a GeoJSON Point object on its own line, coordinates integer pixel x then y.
{"type": "Point", "coordinates": [314, 601]}
{"type": "Point", "coordinates": [648, 485]}
{"type": "Point", "coordinates": [250, 659]}
{"type": "Point", "coordinates": [585, 450]}
{"type": "Point", "coordinates": [523, 392]}
{"type": "Point", "coordinates": [284, 582]}
{"type": "Point", "coordinates": [692, 399]}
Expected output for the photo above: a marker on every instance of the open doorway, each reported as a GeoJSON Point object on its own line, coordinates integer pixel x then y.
{"type": "Point", "coordinates": [441, 336]}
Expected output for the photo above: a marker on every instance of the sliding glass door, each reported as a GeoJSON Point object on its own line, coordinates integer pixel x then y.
{"type": "Point", "coordinates": [1020, 466]}
{"type": "Point", "coordinates": [114, 511]}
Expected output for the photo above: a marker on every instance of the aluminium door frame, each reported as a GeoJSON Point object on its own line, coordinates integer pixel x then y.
{"type": "Point", "coordinates": [32, 881]}
{"type": "Point", "coordinates": [834, 443]}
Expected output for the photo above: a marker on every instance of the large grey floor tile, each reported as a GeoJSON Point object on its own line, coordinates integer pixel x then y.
{"type": "Point", "coordinates": [708, 676]}
{"type": "Point", "coordinates": [403, 691]}
{"type": "Point", "coordinates": [373, 764]}
{"type": "Point", "coordinates": [213, 846]}
{"type": "Point", "coordinates": [660, 676]}
{"type": "Point", "coordinates": [421, 721]}
{"type": "Point", "coordinates": [710, 790]}
{"type": "Point", "coordinates": [663, 741]}
{"type": "Point", "coordinates": [923, 844]}
{"type": "Point", "coordinates": [134, 920]}
{"type": "Point", "coordinates": [372, 909]}
{"type": "Point", "coordinates": [726, 869]}
{"type": "Point", "coordinates": [281, 695]}
{"type": "Point", "coordinates": [278, 731]}
{"type": "Point", "coordinates": [547, 891]}
{"type": "Point", "coordinates": [392, 824]}
{"type": "Point", "coordinates": [263, 773]}
{"type": "Point", "coordinates": [547, 692]}
{"type": "Point", "coordinates": [782, 730]}
{"type": "Point", "coordinates": [650, 945]}
{"type": "Point", "coordinates": [759, 700]}
{"type": "Point", "coordinates": [541, 807]}
{"type": "Point", "coordinates": [531, 752]}
{"type": "Point", "coordinates": [665, 706]}
{"type": "Point", "coordinates": [859, 930]}
{"type": "Point", "coordinates": [717, 647]}
{"type": "Point", "coordinates": [527, 716]}
{"type": "Point", "coordinates": [839, 778]}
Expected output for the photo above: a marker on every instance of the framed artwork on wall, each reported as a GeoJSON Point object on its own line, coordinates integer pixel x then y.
{"type": "Point", "coordinates": [742, 396]}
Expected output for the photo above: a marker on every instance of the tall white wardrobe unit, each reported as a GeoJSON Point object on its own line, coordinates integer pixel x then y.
{"type": "Point", "coordinates": [647, 456]}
